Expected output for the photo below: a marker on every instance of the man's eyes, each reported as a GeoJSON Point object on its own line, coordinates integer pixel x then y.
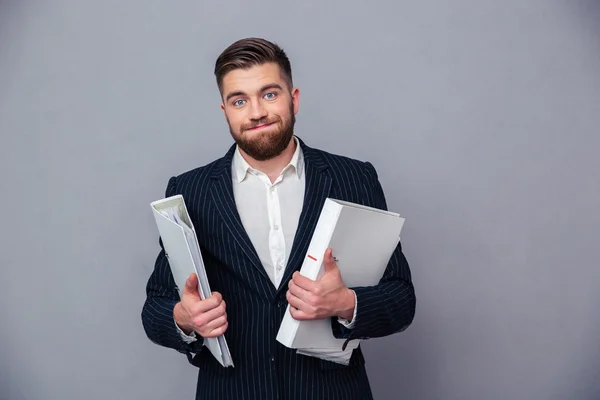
{"type": "Point", "coordinates": [267, 96]}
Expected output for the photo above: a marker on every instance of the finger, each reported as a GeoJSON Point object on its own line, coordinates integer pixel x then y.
{"type": "Point", "coordinates": [216, 332]}
{"type": "Point", "coordinates": [203, 316]}
{"type": "Point", "coordinates": [209, 303]}
{"type": "Point", "coordinates": [199, 307]}
{"type": "Point", "coordinates": [216, 323]}
{"type": "Point", "coordinates": [298, 314]}
{"type": "Point", "coordinates": [215, 296]}
{"type": "Point", "coordinates": [303, 282]}
{"type": "Point", "coordinates": [295, 302]}
{"type": "Point", "coordinates": [297, 291]}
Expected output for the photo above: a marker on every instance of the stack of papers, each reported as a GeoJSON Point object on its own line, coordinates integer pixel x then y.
{"type": "Point", "coordinates": [362, 240]}
{"type": "Point", "coordinates": [183, 252]}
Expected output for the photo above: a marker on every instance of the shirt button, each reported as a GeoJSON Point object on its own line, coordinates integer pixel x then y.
{"type": "Point", "coordinates": [279, 267]}
{"type": "Point", "coordinates": [276, 227]}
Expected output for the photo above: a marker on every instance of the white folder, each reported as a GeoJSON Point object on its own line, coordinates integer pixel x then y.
{"type": "Point", "coordinates": [362, 240]}
{"type": "Point", "coordinates": [183, 252]}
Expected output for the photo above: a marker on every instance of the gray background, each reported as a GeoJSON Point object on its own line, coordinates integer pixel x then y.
{"type": "Point", "coordinates": [482, 118]}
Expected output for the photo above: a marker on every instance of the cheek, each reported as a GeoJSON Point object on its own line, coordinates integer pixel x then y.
{"type": "Point", "coordinates": [235, 119]}
{"type": "Point", "coordinates": [282, 110]}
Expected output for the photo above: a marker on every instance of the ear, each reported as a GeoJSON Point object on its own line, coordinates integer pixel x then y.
{"type": "Point", "coordinates": [296, 99]}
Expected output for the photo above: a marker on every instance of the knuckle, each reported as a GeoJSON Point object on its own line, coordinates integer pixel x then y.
{"type": "Point", "coordinates": [199, 321]}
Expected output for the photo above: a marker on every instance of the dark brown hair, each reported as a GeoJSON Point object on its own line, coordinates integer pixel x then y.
{"type": "Point", "coordinates": [250, 52]}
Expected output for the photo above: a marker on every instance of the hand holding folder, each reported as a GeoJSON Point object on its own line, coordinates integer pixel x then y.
{"type": "Point", "coordinates": [363, 240]}
{"type": "Point", "coordinates": [183, 252]}
{"type": "Point", "coordinates": [192, 309]}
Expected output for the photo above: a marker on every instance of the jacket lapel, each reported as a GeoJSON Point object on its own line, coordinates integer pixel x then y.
{"type": "Point", "coordinates": [224, 201]}
{"type": "Point", "coordinates": [317, 187]}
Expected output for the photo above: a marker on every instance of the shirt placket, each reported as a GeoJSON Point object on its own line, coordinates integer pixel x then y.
{"type": "Point", "coordinates": [276, 237]}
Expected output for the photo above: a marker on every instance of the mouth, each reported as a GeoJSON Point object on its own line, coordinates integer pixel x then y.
{"type": "Point", "coordinates": [259, 127]}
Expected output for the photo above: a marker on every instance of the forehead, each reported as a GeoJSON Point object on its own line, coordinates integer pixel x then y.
{"type": "Point", "coordinates": [252, 79]}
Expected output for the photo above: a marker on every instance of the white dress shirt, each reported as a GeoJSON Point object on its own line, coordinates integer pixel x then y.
{"type": "Point", "coordinates": [270, 214]}
{"type": "Point", "coordinates": [270, 211]}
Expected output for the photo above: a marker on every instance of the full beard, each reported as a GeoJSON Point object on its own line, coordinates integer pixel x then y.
{"type": "Point", "coordinates": [269, 144]}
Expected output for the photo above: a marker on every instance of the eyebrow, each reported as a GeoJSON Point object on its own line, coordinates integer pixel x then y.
{"type": "Point", "coordinates": [262, 89]}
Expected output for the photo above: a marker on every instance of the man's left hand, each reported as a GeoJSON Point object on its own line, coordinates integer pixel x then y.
{"type": "Point", "coordinates": [326, 297]}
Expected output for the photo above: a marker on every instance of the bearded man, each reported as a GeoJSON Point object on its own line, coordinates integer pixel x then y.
{"type": "Point", "coordinates": [254, 211]}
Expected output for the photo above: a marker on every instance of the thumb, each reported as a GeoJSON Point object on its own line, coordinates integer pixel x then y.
{"type": "Point", "coordinates": [191, 285]}
{"type": "Point", "coordinates": [330, 264]}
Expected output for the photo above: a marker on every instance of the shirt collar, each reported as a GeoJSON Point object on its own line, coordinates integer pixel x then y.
{"type": "Point", "coordinates": [241, 167]}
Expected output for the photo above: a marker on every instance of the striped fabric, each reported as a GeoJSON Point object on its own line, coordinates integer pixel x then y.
{"type": "Point", "coordinates": [265, 369]}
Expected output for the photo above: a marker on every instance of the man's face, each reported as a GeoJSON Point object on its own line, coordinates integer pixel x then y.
{"type": "Point", "coordinates": [260, 109]}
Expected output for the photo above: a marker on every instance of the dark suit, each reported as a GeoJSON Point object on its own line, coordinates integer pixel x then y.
{"type": "Point", "coordinates": [265, 369]}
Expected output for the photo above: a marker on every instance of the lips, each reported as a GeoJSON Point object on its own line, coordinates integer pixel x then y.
{"type": "Point", "coordinates": [260, 127]}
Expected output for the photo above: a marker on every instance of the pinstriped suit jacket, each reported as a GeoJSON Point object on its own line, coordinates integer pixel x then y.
{"type": "Point", "coordinates": [265, 369]}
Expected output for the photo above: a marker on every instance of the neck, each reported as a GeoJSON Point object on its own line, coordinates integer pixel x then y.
{"type": "Point", "coordinates": [273, 167]}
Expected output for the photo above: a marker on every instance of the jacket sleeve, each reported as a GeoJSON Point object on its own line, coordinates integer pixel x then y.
{"type": "Point", "coordinates": [389, 306]}
{"type": "Point", "coordinates": [161, 297]}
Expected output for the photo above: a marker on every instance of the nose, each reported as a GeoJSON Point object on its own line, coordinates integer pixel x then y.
{"type": "Point", "coordinates": [257, 111]}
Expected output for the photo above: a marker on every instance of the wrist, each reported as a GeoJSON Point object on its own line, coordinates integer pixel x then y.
{"type": "Point", "coordinates": [347, 307]}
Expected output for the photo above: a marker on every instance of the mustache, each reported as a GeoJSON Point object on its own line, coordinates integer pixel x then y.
{"type": "Point", "coordinates": [259, 123]}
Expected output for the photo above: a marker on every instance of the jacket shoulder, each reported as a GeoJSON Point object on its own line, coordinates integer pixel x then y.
{"type": "Point", "coordinates": [198, 172]}
{"type": "Point", "coordinates": [347, 165]}
{"type": "Point", "coordinates": [194, 181]}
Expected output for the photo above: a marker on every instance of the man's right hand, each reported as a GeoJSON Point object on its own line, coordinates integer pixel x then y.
{"type": "Point", "coordinates": [206, 317]}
